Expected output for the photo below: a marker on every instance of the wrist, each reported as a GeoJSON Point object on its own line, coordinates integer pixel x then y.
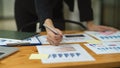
{"type": "Point", "coordinates": [49, 23]}
{"type": "Point", "coordinates": [90, 24]}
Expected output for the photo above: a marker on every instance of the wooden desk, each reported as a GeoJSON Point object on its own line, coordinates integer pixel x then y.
{"type": "Point", "coordinates": [21, 60]}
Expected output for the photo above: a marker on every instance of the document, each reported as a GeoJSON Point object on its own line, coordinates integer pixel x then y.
{"type": "Point", "coordinates": [105, 47]}
{"type": "Point", "coordinates": [64, 53]}
{"type": "Point", "coordinates": [105, 36]}
{"type": "Point", "coordinates": [14, 42]}
{"type": "Point", "coordinates": [69, 38]}
{"type": "Point", "coordinates": [5, 41]}
{"type": "Point", "coordinates": [34, 40]}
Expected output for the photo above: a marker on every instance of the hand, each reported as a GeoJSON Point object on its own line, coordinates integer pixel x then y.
{"type": "Point", "coordinates": [101, 28]}
{"type": "Point", "coordinates": [54, 39]}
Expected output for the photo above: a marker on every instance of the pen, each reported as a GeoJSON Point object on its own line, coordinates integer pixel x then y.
{"type": "Point", "coordinates": [22, 44]}
{"type": "Point", "coordinates": [51, 29]}
{"type": "Point", "coordinates": [18, 43]}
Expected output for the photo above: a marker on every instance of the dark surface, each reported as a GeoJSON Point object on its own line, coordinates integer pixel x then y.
{"type": "Point", "coordinates": [15, 34]}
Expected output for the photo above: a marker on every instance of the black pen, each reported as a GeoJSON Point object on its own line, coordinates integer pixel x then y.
{"type": "Point", "coordinates": [51, 29]}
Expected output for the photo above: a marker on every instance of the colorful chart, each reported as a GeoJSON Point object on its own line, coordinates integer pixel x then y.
{"type": "Point", "coordinates": [105, 36]}
{"type": "Point", "coordinates": [105, 47]}
{"type": "Point", "coordinates": [65, 53]}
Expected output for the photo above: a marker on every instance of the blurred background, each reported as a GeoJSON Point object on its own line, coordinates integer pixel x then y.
{"type": "Point", "coordinates": [106, 12]}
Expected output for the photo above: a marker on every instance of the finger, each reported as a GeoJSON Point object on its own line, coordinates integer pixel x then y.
{"type": "Point", "coordinates": [59, 31]}
{"type": "Point", "coordinates": [113, 29]}
{"type": "Point", "coordinates": [53, 42]}
{"type": "Point", "coordinates": [54, 37]}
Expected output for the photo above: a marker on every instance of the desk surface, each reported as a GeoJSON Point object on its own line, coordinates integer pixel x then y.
{"type": "Point", "coordinates": [21, 60]}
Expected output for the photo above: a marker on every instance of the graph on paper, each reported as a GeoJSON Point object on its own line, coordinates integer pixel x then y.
{"type": "Point", "coordinates": [65, 53]}
{"type": "Point", "coordinates": [105, 36]}
{"type": "Point", "coordinates": [105, 47]}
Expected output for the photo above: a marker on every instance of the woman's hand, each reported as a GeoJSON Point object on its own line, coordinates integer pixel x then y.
{"type": "Point", "coordinates": [93, 27]}
{"type": "Point", "coordinates": [53, 39]}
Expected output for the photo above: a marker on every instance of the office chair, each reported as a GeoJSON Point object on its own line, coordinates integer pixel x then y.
{"type": "Point", "coordinates": [77, 23]}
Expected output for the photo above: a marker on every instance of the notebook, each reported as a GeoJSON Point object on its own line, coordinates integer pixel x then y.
{"type": "Point", "coordinates": [6, 51]}
{"type": "Point", "coordinates": [15, 34]}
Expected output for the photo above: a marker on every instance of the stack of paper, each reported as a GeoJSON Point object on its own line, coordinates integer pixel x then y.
{"type": "Point", "coordinates": [110, 42]}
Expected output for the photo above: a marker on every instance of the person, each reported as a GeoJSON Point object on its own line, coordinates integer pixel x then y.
{"type": "Point", "coordinates": [49, 12]}
{"type": "Point", "coordinates": [26, 16]}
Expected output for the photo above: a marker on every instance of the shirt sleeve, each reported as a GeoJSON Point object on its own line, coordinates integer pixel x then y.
{"type": "Point", "coordinates": [85, 9]}
{"type": "Point", "coordinates": [44, 9]}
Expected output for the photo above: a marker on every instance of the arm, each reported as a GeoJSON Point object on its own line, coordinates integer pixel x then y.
{"type": "Point", "coordinates": [94, 27]}
{"type": "Point", "coordinates": [86, 14]}
{"type": "Point", "coordinates": [44, 9]}
{"type": "Point", "coordinates": [53, 38]}
{"type": "Point", "coordinates": [85, 10]}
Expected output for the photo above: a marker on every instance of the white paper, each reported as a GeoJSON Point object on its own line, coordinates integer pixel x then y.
{"type": "Point", "coordinates": [105, 36]}
{"type": "Point", "coordinates": [69, 38]}
{"type": "Point", "coordinates": [4, 41]}
{"type": "Point", "coordinates": [65, 53]}
{"type": "Point", "coordinates": [105, 47]}
{"type": "Point", "coordinates": [33, 40]}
